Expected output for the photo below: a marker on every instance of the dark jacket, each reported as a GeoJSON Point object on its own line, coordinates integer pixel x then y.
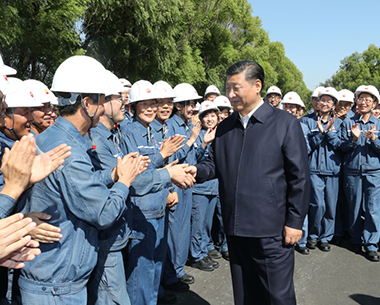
{"type": "Point", "coordinates": [263, 172]}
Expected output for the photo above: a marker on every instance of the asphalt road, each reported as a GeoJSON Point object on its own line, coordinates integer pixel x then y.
{"type": "Point", "coordinates": [338, 277]}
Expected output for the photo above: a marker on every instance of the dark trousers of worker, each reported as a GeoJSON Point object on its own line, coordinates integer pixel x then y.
{"type": "Point", "coordinates": [262, 271]}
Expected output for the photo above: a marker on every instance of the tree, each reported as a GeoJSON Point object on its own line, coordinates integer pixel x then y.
{"type": "Point", "coordinates": [357, 69]}
{"type": "Point", "coordinates": [36, 36]}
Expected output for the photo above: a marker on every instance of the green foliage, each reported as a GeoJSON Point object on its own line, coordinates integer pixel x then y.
{"type": "Point", "coordinates": [357, 69]}
{"type": "Point", "coordinates": [191, 41]}
{"type": "Point", "coordinates": [36, 36]}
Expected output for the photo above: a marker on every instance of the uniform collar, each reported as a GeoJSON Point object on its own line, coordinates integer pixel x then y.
{"type": "Point", "coordinates": [7, 141]}
{"type": "Point", "coordinates": [140, 127]}
{"type": "Point", "coordinates": [68, 128]}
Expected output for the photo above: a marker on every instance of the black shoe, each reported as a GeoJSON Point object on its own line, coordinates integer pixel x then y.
{"type": "Point", "coordinates": [337, 240]}
{"type": "Point", "coordinates": [177, 287]}
{"type": "Point", "coordinates": [302, 250]}
{"type": "Point", "coordinates": [226, 255]}
{"type": "Point", "coordinates": [311, 244]}
{"type": "Point", "coordinates": [187, 279]}
{"type": "Point", "coordinates": [167, 298]}
{"type": "Point", "coordinates": [373, 256]}
{"type": "Point", "coordinates": [215, 264]}
{"type": "Point", "coordinates": [325, 247]}
{"type": "Point", "coordinates": [214, 254]}
{"type": "Point", "coordinates": [204, 264]}
{"type": "Point", "coordinates": [356, 248]}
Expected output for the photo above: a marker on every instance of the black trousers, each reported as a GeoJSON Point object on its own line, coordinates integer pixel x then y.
{"type": "Point", "coordinates": [262, 271]}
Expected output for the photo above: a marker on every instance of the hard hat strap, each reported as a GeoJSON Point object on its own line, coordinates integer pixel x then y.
{"type": "Point", "coordinates": [85, 110]}
{"type": "Point", "coordinates": [13, 125]}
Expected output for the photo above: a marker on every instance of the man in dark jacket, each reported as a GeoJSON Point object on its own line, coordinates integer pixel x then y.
{"type": "Point", "coordinates": [260, 158]}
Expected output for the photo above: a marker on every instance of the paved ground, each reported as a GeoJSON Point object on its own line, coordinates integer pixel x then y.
{"type": "Point", "coordinates": [339, 277]}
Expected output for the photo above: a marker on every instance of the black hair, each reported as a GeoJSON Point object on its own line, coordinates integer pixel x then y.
{"type": "Point", "coordinates": [72, 109]}
{"type": "Point", "coordinates": [203, 114]}
{"type": "Point", "coordinates": [252, 71]}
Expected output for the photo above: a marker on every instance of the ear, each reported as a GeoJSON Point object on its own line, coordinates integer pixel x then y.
{"type": "Point", "coordinates": [87, 101]}
{"type": "Point", "coordinates": [258, 86]}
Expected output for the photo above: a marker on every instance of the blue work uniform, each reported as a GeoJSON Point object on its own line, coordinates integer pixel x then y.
{"type": "Point", "coordinates": [123, 125]}
{"type": "Point", "coordinates": [324, 163]}
{"type": "Point", "coordinates": [147, 248]}
{"type": "Point", "coordinates": [305, 227]}
{"type": "Point", "coordinates": [108, 284]}
{"type": "Point", "coordinates": [205, 197]}
{"type": "Point", "coordinates": [362, 180]}
{"type": "Point", "coordinates": [180, 214]}
{"type": "Point", "coordinates": [81, 204]}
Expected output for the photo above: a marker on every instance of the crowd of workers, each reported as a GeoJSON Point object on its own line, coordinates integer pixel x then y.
{"type": "Point", "coordinates": [114, 211]}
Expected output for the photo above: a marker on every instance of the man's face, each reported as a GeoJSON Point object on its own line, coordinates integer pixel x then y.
{"type": "Point", "coordinates": [23, 119]}
{"type": "Point", "coordinates": [243, 94]}
{"type": "Point", "coordinates": [42, 116]}
{"type": "Point", "coordinates": [100, 110]}
{"type": "Point", "coordinates": [274, 99]}
{"type": "Point", "coordinates": [211, 96]}
{"type": "Point", "coordinates": [117, 109]}
{"type": "Point", "coordinates": [164, 108]}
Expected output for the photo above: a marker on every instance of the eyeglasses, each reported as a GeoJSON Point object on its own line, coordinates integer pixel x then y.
{"type": "Point", "coordinates": [148, 105]}
{"type": "Point", "coordinates": [273, 97]}
{"type": "Point", "coordinates": [366, 100]}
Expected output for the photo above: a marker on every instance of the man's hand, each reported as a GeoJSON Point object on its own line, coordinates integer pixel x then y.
{"type": "Point", "coordinates": [178, 175]}
{"type": "Point", "coordinates": [172, 200]}
{"type": "Point", "coordinates": [48, 162]}
{"type": "Point", "coordinates": [17, 166]}
{"type": "Point", "coordinates": [16, 259]}
{"type": "Point", "coordinates": [171, 145]}
{"type": "Point", "coordinates": [192, 170]}
{"type": "Point", "coordinates": [370, 134]}
{"type": "Point", "coordinates": [44, 233]}
{"type": "Point", "coordinates": [291, 235]}
{"type": "Point", "coordinates": [128, 168]}
{"type": "Point", "coordinates": [355, 132]}
{"type": "Point", "coordinates": [14, 232]}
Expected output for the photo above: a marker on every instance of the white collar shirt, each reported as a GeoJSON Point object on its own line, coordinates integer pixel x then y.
{"type": "Point", "coordinates": [244, 120]}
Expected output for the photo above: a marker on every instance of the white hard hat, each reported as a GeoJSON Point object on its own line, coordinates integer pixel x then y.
{"type": "Point", "coordinates": [206, 106]}
{"type": "Point", "coordinates": [317, 91]}
{"type": "Point", "coordinates": [330, 91]}
{"type": "Point", "coordinates": [185, 92]}
{"type": "Point", "coordinates": [197, 107]}
{"type": "Point", "coordinates": [22, 97]}
{"type": "Point", "coordinates": [346, 96]}
{"type": "Point", "coordinates": [222, 102]}
{"type": "Point", "coordinates": [292, 98]}
{"type": "Point", "coordinates": [164, 90]}
{"type": "Point", "coordinates": [142, 91]}
{"type": "Point", "coordinates": [79, 74]}
{"type": "Point", "coordinates": [212, 89]}
{"type": "Point", "coordinates": [41, 92]}
{"type": "Point", "coordinates": [5, 86]}
{"type": "Point", "coordinates": [274, 89]}
{"type": "Point", "coordinates": [114, 85]}
{"type": "Point", "coordinates": [367, 89]}
{"type": "Point", "coordinates": [4, 69]}
{"type": "Point", "coordinates": [125, 82]}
